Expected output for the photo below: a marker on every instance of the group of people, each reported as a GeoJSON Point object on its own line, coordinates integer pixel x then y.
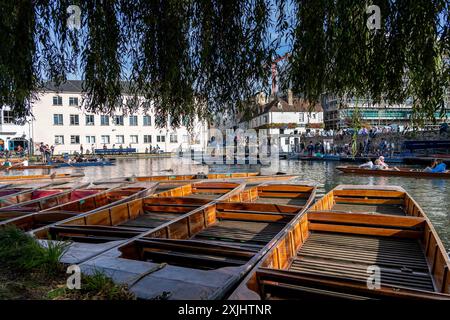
{"type": "Point", "coordinates": [46, 152]}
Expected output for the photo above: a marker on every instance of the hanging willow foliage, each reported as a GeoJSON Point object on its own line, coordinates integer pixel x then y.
{"type": "Point", "coordinates": [407, 58]}
{"type": "Point", "coordinates": [197, 58]}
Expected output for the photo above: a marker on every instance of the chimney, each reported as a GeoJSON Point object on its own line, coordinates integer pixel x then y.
{"type": "Point", "coordinates": [290, 98]}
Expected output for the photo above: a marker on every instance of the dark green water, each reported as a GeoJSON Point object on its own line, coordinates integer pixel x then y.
{"type": "Point", "coordinates": [433, 195]}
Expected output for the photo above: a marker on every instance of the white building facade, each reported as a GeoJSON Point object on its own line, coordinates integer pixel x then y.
{"type": "Point", "coordinates": [290, 120]}
{"type": "Point", "coordinates": [59, 120]}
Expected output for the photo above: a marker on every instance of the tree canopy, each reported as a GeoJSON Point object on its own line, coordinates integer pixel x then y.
{"type": "Point", "coordinates": [201, 57]}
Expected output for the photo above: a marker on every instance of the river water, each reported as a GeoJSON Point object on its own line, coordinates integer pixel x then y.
{"type": "Point", "coordinates": [433, 195]}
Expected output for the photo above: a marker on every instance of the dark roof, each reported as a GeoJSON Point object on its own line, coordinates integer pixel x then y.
{"type": "Point", "coordinates": [75, 86]}
{"type": "Point", "coordinates": [299, 105]}
{"type": "Point", "coordinates": [70, 86]}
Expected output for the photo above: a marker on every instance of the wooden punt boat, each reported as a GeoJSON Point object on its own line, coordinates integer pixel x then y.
{"type": "Point", "coordinates": [41, 199]}
{"type": "Point", "coordinates": [192, 178]}
{"type": "Point", "coordinates": [403, 172]}
{"type": "Point", "coordinates": [84, 164]}
{"type": "Point", "coordinates": [329, 253]}
{"type": "Point", "coordinates": [41, 177]}
{"type": "Point", "coordinates": [204, 253]}
{"type": "Point", "coordinates": [30, 167]}
{"type": "Point", "coordinates": [96, 199]}
{"type": "Point", "coordinates": [93, 233]}
{"type": "Point", "coordinates": [19, 194]}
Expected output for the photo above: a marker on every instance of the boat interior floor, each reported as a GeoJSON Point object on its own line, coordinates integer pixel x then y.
{"type": "Point", "coordinates": [401, 261]}
{"type": "Point", "coordinates": [391, 209]}
{"type": "Point", "coordinates": [255, 234]}
{"type": "Point", "coordinates": [283, 201]}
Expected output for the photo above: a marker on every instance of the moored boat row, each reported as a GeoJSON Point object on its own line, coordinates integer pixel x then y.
{"type": "Point", "coordinates": [213, 237]}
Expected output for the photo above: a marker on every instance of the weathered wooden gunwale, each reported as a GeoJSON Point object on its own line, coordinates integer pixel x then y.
{"type": "Point", "coordinates": [392, 172]}
{"type": "Point", "coordinates": [326, 254]}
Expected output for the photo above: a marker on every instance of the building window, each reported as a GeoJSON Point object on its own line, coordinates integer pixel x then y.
{"type": "Point", "coordinates": [105, 139]}
{"type": "Point", "coordinates": [74, 120]}
{"type": "Point", "coordinates": [133, 120]}
{"type": "Point", "coordinates": [58, 119]}
{"type": "Point", "coordinates": [147, 138]}
{"type": "Point", "coordinates": [90, 139]}
{"type": "Point", "coordinates": [104, 120]}
{"type": "Point", "coordinates": [133, 139]}
{"type": "Point", "coordinates": [59, 139]}
{"type": "Point", "coordinates": [73, 101]}
{"type": "Point", "coordinates": [8, 117]}
{"type": "Point", "coordinates": [147, 121]}
{"type": "Point", "coordinates": [118, 120]}
{"type": "Point", "coordinates": [160, 138]}
{"type": "Point", "coordinates": [57, 101]}
{"type": "Point", "coordinates": [120, 139]}
{"type": "Point", "coordinates": [173, 138]}
{"type": "Point", "coordinates": [281, 131]}
{"type": "Point", "coordinates": [301, 117]}
{"type": "Point", "coordinates": [89, 119]}
{"type": "Point", "coordinates": [265, 119]}
{"type": "Point", "coordinates": [74, 139]}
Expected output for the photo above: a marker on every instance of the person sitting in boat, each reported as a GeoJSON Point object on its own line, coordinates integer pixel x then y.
{"type": "Point", "coordinates": [368, 164]}
{"type": "Point", "coordinates": [25, 163]}
{"type": "Point", "coordinates": [438, 166]}
{"type": "Point", "coordinates": [378, 165]}
{"type": "Point", "coordinates": [382, 163]}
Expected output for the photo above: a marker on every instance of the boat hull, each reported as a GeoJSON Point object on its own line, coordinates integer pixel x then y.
{"type": "Point", "coordinates": [400, 172]}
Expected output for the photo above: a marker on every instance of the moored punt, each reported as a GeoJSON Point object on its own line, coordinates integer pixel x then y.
{"type": "Point", "coordinates": [248, 177]}
{"type": "Point", "coordinates": [200, 255]}
{"type": "Point", "coordinates": [84, 164]}
{"type": "Point", "coordinates": [93, 233]}
{"type": "Point", "coordinates": [30, 167]}
{"type": "Point", "coordinates": [403, 172]}
{"type": "Point", "coordinates": [96, 199]}
{"type": "Point", "coordinates": [333, 254]}
{"type": "Point", "coordinates": [40, 177]}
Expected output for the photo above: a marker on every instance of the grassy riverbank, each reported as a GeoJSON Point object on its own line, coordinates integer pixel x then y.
{"type": "Point", "coordinates": [33, 272]}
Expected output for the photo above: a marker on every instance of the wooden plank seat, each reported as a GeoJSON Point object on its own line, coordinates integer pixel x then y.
{"type": "Point", "coordinates": [284, 284]}
{"type": "Point", "coordinates": [369, 208]}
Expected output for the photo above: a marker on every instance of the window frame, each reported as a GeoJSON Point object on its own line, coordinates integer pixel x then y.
{"type": "Point", "coordinates": [61, 117]}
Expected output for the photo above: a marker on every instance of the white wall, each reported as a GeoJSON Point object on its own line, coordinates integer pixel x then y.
{"type": "Point", "coordinates": [45, 131]}
{"type": "Point", "coordinates": [9, 131]}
